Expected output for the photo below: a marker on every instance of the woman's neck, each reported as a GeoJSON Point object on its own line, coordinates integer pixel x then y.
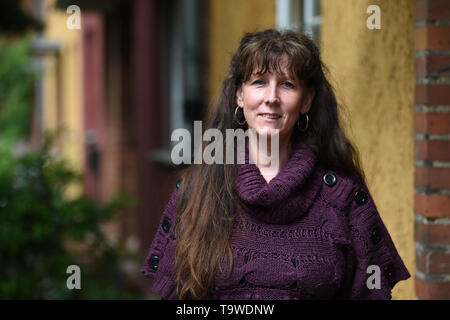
{"type": "Point", "coordinates": [270, 162]}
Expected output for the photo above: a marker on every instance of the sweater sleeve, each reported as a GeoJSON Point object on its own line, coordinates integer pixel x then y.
{"type": "Point", "coordinates": [373, 265]}
{"type": "Point", "coordinates": [159, 263]}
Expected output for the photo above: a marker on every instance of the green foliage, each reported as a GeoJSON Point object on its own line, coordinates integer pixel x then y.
{"type": "Point", "coordinates": [16, 84]}
{"type": "Point", "coordinates": [38, 222]}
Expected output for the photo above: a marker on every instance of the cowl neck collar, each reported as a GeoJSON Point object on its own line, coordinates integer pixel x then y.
{"type": "Point", "coordinates": [288, 196]}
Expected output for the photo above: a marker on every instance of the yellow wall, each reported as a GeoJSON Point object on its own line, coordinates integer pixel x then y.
{"type": "Point", "coordinates": [229, 20]}
{"type": "Point", "coordinates": [373, 71]}
{"type": "Point", "coordinates": [71, 85]}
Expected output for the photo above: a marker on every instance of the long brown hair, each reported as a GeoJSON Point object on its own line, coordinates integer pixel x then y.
{"type": "Point", "coordinates": [207, 204]}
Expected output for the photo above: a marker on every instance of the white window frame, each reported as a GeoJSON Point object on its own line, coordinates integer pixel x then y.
{"type": "Point", "coordinates": [298, 14]}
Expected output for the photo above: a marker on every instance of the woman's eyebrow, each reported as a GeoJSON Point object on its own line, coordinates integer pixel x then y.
{"type": "Point", "coordinates": [287, 77]}
{"type": "Point", "coordinates": [283, 76]}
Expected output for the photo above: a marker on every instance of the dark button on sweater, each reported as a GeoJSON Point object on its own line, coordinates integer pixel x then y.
{"type": "Point", "coordinates": [153, 262]}
{"type": "Point", "coordinates": [389, 272]}
{"type": "Point", "coordinates": [360, 197]}
{"type": "Point", "coordinates": [375, 235]}
{"type": "Point", "coordinates": [166, 224]}
{"type": "Point", "coordinates": [329, 179]}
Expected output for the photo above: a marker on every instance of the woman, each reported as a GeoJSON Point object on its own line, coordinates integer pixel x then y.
{"type": "Point", "coordinates": [308, 229]}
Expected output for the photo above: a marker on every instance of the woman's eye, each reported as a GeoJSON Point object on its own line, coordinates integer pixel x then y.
{"type": "Point", "coordinates": [258, 82]}
{"type": "Point", "coordinates": [288, 84]}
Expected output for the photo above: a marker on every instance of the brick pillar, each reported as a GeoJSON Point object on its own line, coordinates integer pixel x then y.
{"type": "Point", "coordinates": [432, 148]}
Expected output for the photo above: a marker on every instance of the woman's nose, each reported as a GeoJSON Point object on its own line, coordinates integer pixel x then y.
{"type": "Point", "coordinates": [272, 94]}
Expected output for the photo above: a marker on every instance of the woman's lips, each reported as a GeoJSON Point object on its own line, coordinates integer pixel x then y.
{"type": "Point", "coordinates": [270, 117]}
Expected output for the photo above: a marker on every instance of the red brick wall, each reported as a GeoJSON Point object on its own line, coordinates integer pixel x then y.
{"type": "Point", "coordinates": [432, 149]}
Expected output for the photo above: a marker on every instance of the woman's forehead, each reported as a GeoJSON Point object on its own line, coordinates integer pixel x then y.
{"type": "Point", "coordinates": [278, 64]}
{"type": "Point", "coordinates": [282, 71]}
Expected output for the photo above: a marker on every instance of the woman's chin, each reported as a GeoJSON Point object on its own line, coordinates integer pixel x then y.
{"type": "Point", "coordinates": [268, 131]}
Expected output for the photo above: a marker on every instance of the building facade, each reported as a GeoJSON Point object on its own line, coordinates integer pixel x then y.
{"type": "Point", "coordinates": [137, 70]}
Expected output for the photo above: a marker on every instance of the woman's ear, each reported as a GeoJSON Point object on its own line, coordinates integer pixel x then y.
{"type": "Point", "coordinates": [309, 97]}
{"type": "Point", "coordinates": [239, 97]}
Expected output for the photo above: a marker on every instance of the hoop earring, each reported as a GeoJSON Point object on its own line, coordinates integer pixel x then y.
{"type": "Point", "coordinates": [237, 119]}
{"type": "Point", "coordinates": [307, 123]}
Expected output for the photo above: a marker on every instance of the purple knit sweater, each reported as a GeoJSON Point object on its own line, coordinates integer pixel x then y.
{"type": "Point", "coordinates": [310, 234]}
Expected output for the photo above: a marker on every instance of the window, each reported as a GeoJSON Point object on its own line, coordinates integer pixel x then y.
{"type": "Point", "coordinates": [300, 14]}
{"type": "Point", "coordinates": [183, 50]}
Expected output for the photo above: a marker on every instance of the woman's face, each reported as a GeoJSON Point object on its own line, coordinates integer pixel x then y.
{"type": "Point", "coordinates": [273, 101]}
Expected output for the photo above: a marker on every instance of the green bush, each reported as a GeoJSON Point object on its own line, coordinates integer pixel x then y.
{"type": "Point", "coordinates": [16, 87]}
{"type": "Point", "coordinates": [38, 221]}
